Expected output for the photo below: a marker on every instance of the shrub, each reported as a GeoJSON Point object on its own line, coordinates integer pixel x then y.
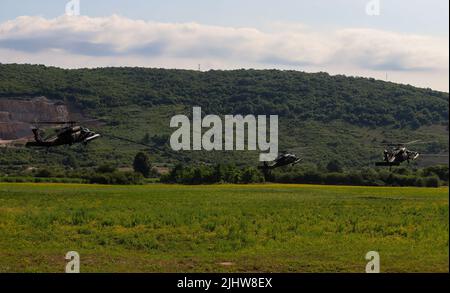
{"type": "Point", "coordinates": [432, 181]}
{"type": "Point", "coordinates": [142, 164]}
{"type": "Point", "coordinates": [335, 178]}
{"type": "Point", "coordinates": [420, 182]}
{"type": "Point", "coordinates": [334, 166]}
{"type": "Point", "coordinates": [120, 178]}
{"type": "Point", "coordinates": [106, 168]}
{"type": "Point", "coordinates": [251, 175]}
{"type": "Point", "coordinates": [43, 173]}
{"type": "Point", "coordinates": [441, 171]}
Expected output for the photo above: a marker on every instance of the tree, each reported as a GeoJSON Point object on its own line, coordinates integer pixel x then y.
{"type": "Point", "coordinates": [432, 181]}
{"type": "Point", "coordinates": [334, 166]}
{"type": "Point", "coordinates": [142, 164]}
{"type": "Point", "coordinates": [146, 138]}
{"type": "Point", "coordinates": [44, 173]}
{"type": "Point", "coordinates": [70, 161]}
{"type": "Point", "coordinates": [106, 168]}
{"type": "Point", "coordinates": [251, 175]}
{"type": "Point", "coordinates": [218, 173]}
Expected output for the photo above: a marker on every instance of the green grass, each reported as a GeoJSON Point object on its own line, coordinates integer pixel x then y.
{"type": "Point", "coordinates": [229, 228]}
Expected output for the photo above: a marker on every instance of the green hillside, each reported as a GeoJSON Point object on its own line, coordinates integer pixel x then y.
{"type": "Point", "coordinates": [335, 117]}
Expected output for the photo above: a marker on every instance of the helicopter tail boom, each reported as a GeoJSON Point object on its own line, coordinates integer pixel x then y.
{"type": "Point", "coordinates": [265, 166]}
{"type": "Point", "coordinates": [37, 135]}
{"type": "Point", "coordinates": [39, 144]}
{"type": "Point", "coordinates": [387, 164]}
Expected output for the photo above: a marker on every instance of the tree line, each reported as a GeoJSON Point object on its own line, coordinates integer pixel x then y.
{"type": "Point", "coordinates": [332, 174]}
{"type": "Point", "coordinates": [428, 177]}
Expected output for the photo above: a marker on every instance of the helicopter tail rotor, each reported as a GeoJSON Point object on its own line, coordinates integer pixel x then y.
{"type": "Point", "coordinates": [37, 135]}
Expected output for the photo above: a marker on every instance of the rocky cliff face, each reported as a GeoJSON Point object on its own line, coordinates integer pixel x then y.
{"type": "Point", "coordinates": [17, 115]}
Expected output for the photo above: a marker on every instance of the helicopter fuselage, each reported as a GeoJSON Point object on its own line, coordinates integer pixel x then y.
{"type": "Point", "coordinates": [283, 160]}
{"type": "Point", "coordinates": [66, 136]}
{"type": "Point", "coordinates": [396, 156]}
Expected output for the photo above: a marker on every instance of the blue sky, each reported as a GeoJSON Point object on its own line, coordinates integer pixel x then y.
{"type": "Point", "coordinates": [411, 16]}
{"type": "Point", "coordinates": [408, 40]}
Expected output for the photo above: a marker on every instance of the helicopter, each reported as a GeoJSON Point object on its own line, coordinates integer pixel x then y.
{"type": "Point", "coordinates": [69, 134]}
{"type": "Point", "coordinates": [281, 161]}
{"type": "Point", "coordinates": [397, 153]}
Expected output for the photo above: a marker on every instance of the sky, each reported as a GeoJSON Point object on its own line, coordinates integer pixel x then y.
{"type": "Point", "coordinates": [405, 41]}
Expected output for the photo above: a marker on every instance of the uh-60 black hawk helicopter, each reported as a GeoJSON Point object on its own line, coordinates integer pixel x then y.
{"type": "Point", "coordinates": [397, 153]}
{"type": "Point", "coordinates": [71, 133]}
{"type": "Point", "coordinates": [282, 160]}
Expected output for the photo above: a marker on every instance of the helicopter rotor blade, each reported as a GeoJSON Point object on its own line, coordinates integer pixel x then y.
{"type": "Point", "coordinates": [414, 142]}
{"type": "Point", "coordinates": [293, 150]}
{"type": "Point", "coordinates": [424, 142]}
{"type": "Point", "coordinates": [13, 122]}
{"type": "Point", "coordinates": [63, 122]}
{"type": "Point", "coordinates": [54, 122]}
{"type": "Point", "coordinates": [126, 140]}
{"type": "Point", "coordinates": [400, 143]}
{"type": "Point", "coordinates": [435, 155]}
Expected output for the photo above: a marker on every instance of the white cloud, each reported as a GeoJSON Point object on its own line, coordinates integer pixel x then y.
{"type": "Point", "coordinates": [117, 41]}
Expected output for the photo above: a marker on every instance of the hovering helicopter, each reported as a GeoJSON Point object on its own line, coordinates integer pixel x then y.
{"type": "Point", "coordinates": [397, 153]}
{"type": "Point", "coordinates": [281, 161]}
{"type": "Point", "coordinates": [70, 134]}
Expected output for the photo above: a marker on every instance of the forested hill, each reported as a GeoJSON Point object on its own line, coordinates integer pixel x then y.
{"type": "Point", "coordinates": [320, 97]}
{"type": "Point", "coordinates": [336, 117]}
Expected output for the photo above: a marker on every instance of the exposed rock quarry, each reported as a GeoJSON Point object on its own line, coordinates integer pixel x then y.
{"type": "Point", "coordinates": [17, 115]}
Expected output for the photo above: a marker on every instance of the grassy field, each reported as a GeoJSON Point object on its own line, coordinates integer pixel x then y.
{"type": "Point", "coordinates": [229, 228]}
